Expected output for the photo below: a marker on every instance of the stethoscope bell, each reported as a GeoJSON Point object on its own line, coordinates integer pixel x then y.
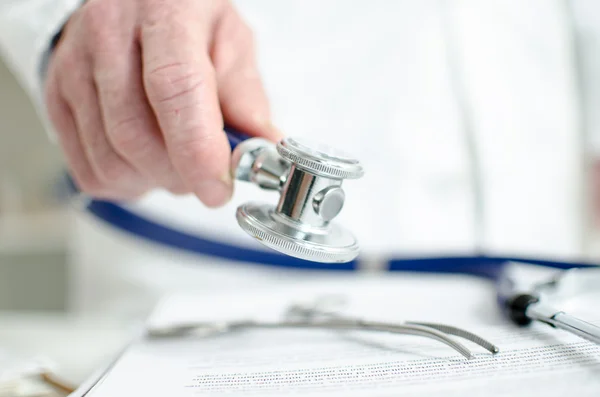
{"type": "Point", "coordinates": [309, 179]}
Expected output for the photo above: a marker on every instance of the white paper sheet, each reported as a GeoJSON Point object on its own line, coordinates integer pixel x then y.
{"type": "Point", "coordinates": [326, 363]}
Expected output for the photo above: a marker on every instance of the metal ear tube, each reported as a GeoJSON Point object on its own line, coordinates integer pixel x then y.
{"type": "Point", "coordinates": [309, 179]}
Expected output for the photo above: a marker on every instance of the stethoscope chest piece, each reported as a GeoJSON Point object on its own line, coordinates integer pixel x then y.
{"type": "Point", "coordinates": [309, 179]}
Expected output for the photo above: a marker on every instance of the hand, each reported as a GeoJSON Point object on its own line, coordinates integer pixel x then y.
{"type": "Point", "coordinates": [138, 91]}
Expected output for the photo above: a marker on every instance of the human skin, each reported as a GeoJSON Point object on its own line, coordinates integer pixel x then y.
{"type": "Point", "coordinates": [138, 92]}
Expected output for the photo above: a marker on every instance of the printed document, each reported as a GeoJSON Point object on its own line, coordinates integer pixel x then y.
{"type": "Point", "coordinates": [267, 362]}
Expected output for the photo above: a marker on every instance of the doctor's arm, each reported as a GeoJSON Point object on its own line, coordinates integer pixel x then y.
{"type": "Point", "coordinates": [138, 91]}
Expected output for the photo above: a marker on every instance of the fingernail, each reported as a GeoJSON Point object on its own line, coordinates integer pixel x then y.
{"type": "Point", "coordinates": [268, 127]}
{"type": "Point", "coordinates": [215, 193]}
{"type": "Point", "coordinates": [275, 132]}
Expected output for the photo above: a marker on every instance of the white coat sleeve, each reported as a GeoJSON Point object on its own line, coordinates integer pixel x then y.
{"type": "Point", "coordinates": [27, 28]}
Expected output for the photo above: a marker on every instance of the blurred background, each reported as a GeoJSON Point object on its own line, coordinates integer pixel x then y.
{"type": "Point", "coordinates": [33, 224]}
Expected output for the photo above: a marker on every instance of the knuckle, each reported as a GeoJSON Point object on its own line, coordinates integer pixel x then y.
{"type": "Point", "coordinates": [99, 19]}
{"type": "Point", "coordinates": [111, 171]}
{"type": "Point", "coordinates": [95, 13]}
{"type": "Point", "coordinates": [193, 144]}
{"type": "Point", "coordinates": [156, 12]}
{"type": "Point", "coordinates": [92, 17]}
{"type": "Point", "coordinates": [134, 143]}
{"type": "Point", "coordinates": [127, 136]}
{"type": "Point", "coordinates": [68, 62]}
{"type": "Point", "coordinates": [199, 156]}
{"type": "Point", "coordinates": [172, 82]}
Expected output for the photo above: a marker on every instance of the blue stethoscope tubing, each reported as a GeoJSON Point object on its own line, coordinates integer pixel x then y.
{"type": "Point", "coordinates": [122, 218]}
{"type": "Point", "coordinates": [487, 267]}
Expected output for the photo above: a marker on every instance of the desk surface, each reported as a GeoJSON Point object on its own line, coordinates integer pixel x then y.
{"type": "Point", "coordinates": [79, 346]}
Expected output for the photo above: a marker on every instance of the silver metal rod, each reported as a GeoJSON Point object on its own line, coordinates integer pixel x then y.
{"type": "Point", "coordinates": [332, 324]}
{"type": "Point", "coordinates": [402, 329]}
{"type": "Point", "coordinates": [298, 312]}
{"type": "Point", "coordinates": [461, 333]}
{"type": "Point", "coordinates": [559, 319]}
{"type": "Point", "coordinates": [576, 326]}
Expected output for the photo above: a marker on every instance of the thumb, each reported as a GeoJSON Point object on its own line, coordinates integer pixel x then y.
{"type": "Point", "coordinates": [244, 103]}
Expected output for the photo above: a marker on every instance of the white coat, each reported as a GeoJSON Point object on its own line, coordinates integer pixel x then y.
{"type": "Point", "coordinates": [477, 123]}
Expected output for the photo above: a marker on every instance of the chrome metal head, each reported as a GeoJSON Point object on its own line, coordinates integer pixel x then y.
{"type": "Point", "coordinates": [309, 178]}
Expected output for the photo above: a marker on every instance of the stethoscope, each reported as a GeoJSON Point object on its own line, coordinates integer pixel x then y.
{"type": "Point", "coordinates": [301, 231]}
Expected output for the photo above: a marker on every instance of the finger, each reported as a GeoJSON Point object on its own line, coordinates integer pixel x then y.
{"type": "Point", "coordinates": [180, 84]}
{"type": "Point", "coordinates": [244, 103]}
{"type": "Point", "coordinates": [130, 124]}
{"type": "Point", "coordinates": [80, 94]}
{"type": "Point", "coordinates": [61, 118]}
